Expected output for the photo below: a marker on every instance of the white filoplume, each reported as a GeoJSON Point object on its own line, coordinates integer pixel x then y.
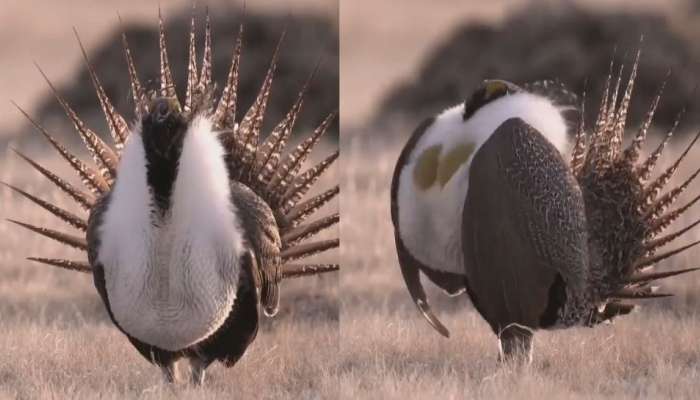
{"type": "Point", "coordinates": [171, 282]}
{"type": "Point", "coordinates": [430, 220]}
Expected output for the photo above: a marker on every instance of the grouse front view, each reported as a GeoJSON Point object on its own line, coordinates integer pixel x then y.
{"type": "Point", "coordinates": [193, 220]}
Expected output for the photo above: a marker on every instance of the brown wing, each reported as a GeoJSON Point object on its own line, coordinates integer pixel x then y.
{"type": "Point", "coordinates": [94, 222]}
{"type": "Point", "coordinates": [410, 267]}
{"type": "Point", "coordinates": [524, 235]}
{"type": "Point", "coordinates": [262, 235]}
{"type": "Point", "coordinates": [93, 241]}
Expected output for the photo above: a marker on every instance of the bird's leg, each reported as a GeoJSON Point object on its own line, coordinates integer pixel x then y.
{"type": "Point", "coordinates": [170, 372]}
{"type": "Point", "coordinates": [198, 367]}
{"type": "Point", "coordinates": [515, 343]}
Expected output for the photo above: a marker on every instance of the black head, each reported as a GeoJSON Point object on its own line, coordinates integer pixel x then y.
{"type": "Point", "coordinates": [163, 128]}
{"type": "Point", "coordinates": [163, 132]}
{"type": "Point", "coordinates": [489, 91]}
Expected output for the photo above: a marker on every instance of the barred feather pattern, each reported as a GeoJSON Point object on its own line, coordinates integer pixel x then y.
{"type": "Point", "coordinates": [578, 153]}
{"type": "Point", "coordinates": [272, 171]}
{"type": "Point", "coordinates": [626, 213]}
{"type": "Point", "coordinates": [137, 91]}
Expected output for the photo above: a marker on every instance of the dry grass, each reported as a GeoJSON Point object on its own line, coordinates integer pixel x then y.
{"type": "Point", "coordinates": [389, 351]}
{"type": "Point", "coordinates": [58, 342]}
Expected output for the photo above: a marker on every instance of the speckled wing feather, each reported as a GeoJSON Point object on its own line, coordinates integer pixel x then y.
{"type": "Point", "coordinates": [523, 227]}
{"type": "Point", "coordinates": [259, 222]}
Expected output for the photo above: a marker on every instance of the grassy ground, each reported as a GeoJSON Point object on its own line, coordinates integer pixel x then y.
{"type": "Point", "coordinates": [389, 351]}
{"type": "Point", "coordinates": [58, 342]}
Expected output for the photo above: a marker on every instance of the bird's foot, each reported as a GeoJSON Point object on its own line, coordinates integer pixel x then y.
{"type": "Point", "coordinates": [170, 372]}
{"type": "Point", "coordinates": [198, 368]}
{"type": "Point", "coordinates": [515, 344]}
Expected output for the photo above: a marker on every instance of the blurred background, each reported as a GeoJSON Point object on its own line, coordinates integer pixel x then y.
{"type": "Point", "coordinates": [42, 32]}
{"type": "Point", "coordinates": [415, 60]}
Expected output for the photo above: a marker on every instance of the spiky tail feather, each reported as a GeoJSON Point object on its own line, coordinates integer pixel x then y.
{"type": "Point", "coordinates": [262, 166]}
{"type": "Point", "coordinates": [625, 212]}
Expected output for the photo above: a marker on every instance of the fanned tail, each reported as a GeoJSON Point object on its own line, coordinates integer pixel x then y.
{"type": "Point", "coordinates": [626, 211]}
{"type": "Point", "coordinates": [266, 165]}
{"type": "Point", "coordinates": [273, 172]}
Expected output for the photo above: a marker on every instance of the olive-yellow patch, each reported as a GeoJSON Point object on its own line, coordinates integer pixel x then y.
{"type": "Point", "coordinates": [494, 88]}
{"type": "Point", "coordinates": [426, 169]}
{"type": "Point", "coordinates": [450, 163]}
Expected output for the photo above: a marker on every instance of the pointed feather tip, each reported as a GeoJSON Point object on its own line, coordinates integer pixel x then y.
{"type": "Point", "coordinates": [31, 120]}
{"type": "Point", "coordinates": [20, 155]}
{"type": "Point", "coordinates": [278, 47]}
{"type": "Point", "coordinates": [653, 259]}
{"type": "Point", "coordinates": [16, 190]}
{"type": "Point", "coordinates": [61, 237]}
{"type": "Point", "coordinates": [46, 78]}
{"type": "Point", "coordinates": [13, 188]}
{"type": "Point", "coordinates": [653, 276]}
{"type": "Point", "coordinates": [639, 293]}
{"type": "Point", "coordinates": [65, 264]}
{"type": "Point", "coordinates": [36, 125]}
{"type": "Point", "coordinates": [311, 77]}
{"type": "Point", "coordinates": [301, 270]}
{"type": "Point", "coordinates": [425, 309]}
{"type": "Point", "coordinates": [19, 223]}
{"type": "Point", "coordinates": [82, 50]}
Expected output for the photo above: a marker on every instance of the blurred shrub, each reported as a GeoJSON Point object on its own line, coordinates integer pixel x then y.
{"type": "Point", "coordinates": [308, 39]}
{"type": "Point", "coordinates": [564, 43]}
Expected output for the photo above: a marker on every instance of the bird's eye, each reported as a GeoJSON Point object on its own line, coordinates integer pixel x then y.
{"type": "Point", "coordinates": [489, 91]}
{"type": "Point", "coordinates": [162, 109]}
{"type": "Point", "coordinates": [494, 89]}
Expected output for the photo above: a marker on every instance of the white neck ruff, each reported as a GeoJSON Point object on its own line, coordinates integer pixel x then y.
{"type": "Point", "coordinates": [430, 220]}
{"type": "Point", "coordinates": [171, 282]}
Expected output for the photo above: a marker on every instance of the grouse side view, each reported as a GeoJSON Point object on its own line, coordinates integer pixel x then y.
{"type": "Point", "coordinates": [194, 219]}
{"type": "Point", "coordinates": [536, 242]}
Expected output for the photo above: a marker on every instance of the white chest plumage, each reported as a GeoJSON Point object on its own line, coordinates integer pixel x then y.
{"type": "Point", "coordinates": [435, 178]}
{"type": "Point", "coordinates": [171, 282]}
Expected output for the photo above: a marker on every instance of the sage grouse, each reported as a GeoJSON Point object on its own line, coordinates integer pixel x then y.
{"type": "Point", "coordinates": [193, 219]}
{"type": "Point", "coordinates": [483, 200]}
